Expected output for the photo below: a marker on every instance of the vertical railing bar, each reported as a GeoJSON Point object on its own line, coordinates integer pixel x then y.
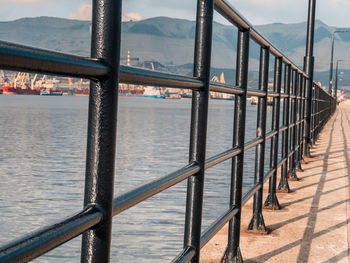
{"type": "Point", "coordinates": [199, 119]}
{"type": "Point", "coordinates": [101, 139]}
{"type": "Point", "coordinates": [292, 174]}
{"type": "Point", "coordinates": [284, 185]}
{"type": "Point", "coordinates": [303, 133]}
{"type": "Point", "coordinates": [291, 114]}
{"type": "Point", "coordinates": [320, 115]}
{"type": "Point", "coordinates": [317, 91]}
{"type": "Point", "coordinates": [319, 109]}
{"type": "Point", "coordinates": [315, 114]}
{"type": "Point", "coordinates": [271, 201]}
{"type": "Point", "coordinates": [313, 118]}
{"type": "Point", "coordinates": [300, 117]}
{"type": "Point", "coordinates": [319, 120]}
{"type": "Point", "coordinates": [257, 222]}
{"type": "Point", "coordinates": [331, 110]}
{"type": "Point", "coordinates": [316, 118]}
{"type": "Point", "coordinates": [233, 253]}
{"type": "Point", "coordinates": [297, 103]}
{"type": "Point", "coordinates": [332, 105]}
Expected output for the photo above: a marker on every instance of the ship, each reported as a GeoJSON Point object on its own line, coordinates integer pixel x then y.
{"type": "Point", "coordinates": [269, 101]}
{"type": "Point", "coordinates": [138, 91]}
{"type": "Point", "coordinates": [126, 90]}
{"type": "Point", "coordinates": [134, 91]}
{"type": "Point", "coordinates": [9, 89]}
{"type": "Point", "coordinates": [186, 94]}
{"type": "Point", "coordinates": [81, 92]}
{"type": "Point", "coordinates": [255, 100]}
{"type": "Point", "coordinates": [49, 92]}
{"type": "Point", "coordinates": [20, 86]}
{"type": "Point", "coordinates": [152, 92]}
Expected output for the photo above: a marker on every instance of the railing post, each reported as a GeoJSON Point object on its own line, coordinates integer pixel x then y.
{"type": "Point", "coordinates": [309, 70]}
{"type": "Point", "coordinates": [271, 201]}
{"type": "Point", "coordinates": [300, 117]}
{"type": "Point", "coordinates": [314, 116]}
{"type": "Point", "coordinates": [257, 221]}
{"type": "Point", "coordinates": [302, 133]}
{"type": "Point", "coordinates": [317, 114]}
{"type": "Point", "coordinates": [233, 253]}
{"type": "Point", "coordinates": [294, 109]}
{"type": "Point", "coordinates": [199, 118]}
{"type": "Point", "coordinates": [284, 185]}
{"type": "Point", "coordinates": [100, 159]}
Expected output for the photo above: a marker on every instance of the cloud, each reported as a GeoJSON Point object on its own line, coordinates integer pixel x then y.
{"type": "Point", "coordinates": [8, 8]}
{"type": "Point", "coordinates": [182, 5]}
{"type": "Point", "coordinates": [84, 12]}
{"type": "Point", "coordinates": [134, 16]}
{"type": "Point", "coordinates": [264, 2]}
{"type": "Point", "coordinates": [24, 2]}
{"type": "Point", "coordinates": [332, 12]}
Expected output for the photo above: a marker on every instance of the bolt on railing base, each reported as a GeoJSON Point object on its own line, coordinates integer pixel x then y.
{"type": "Point", "coordinates": [283, 186]}
{"type": "Point", "coordinates": [272, 203]}
{"type": "Point", "coordinates": [293, 175]}
{"type": "Point", "coordinates": [231, 258]}
{"type": "Point", "coordinates": [257, 225]}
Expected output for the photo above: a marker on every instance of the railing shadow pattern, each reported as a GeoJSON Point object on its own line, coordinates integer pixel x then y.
{"type": "Point", "coordinates": [103, 68]}
{"type": "Point", "coordinates": [322, 189]}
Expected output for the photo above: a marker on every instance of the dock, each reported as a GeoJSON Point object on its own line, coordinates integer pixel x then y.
{"type": "Point", "coordinates": [313, 224]}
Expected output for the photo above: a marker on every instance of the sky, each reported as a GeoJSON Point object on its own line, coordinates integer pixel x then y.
{"type": "Point", "coordinates": [332, 12]}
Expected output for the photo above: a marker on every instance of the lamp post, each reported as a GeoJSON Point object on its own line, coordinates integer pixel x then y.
{"type": "Point", "coordinates": [309, 69]}
{"type": "Point", "coordinates": [336, 79]}
{"type": "Point", "coordinates": [331, 65]}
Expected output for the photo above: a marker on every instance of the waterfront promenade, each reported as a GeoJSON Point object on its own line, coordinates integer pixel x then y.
{"type": "Point", "coordinates": [313, 224]}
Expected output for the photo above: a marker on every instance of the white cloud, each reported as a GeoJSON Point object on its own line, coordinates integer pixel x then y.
{"type": "Point", "coordinates": [134, 16]}
{"type": "Point", "coordinates": [24, 2]}
{"type": "Point", "coordinates": [332, 12]}
{"type": "Point", "coordinates": [264, 2]}
{"type": "Point", "coordinates": [84, 12]}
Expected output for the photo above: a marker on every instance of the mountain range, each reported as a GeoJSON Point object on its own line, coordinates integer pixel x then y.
{"type": "Point", "coordinates": [168, 43]}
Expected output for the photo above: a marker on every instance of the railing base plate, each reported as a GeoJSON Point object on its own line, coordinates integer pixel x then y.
{"type": "Point", "coordinates": [229, 259]}
{"type": "Point", "coordinates": [257, 225]}
{"type": "Point", "coordinates": [272, 202]}
{"type": "Point", "coordinates": [293, 176]}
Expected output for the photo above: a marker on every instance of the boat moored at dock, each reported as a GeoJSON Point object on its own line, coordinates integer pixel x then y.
{"type": "Point", "coordinates": [48, 92]}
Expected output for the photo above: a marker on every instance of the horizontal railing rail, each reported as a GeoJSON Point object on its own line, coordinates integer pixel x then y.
{"type": "Point", "coordinates": [22, 58]}
{"type": "Point", "coordinates": [105, 72]}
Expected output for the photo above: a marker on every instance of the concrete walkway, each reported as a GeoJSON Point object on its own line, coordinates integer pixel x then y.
{"type": "Point", "coordinates": [313, 225]}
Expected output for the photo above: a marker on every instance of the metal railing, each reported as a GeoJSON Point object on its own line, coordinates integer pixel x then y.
{"type": "Point", "coordinates": [95, 220]}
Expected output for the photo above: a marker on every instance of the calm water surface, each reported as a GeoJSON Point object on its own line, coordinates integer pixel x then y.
{"type": "Point", "coordinates": [42, 163]}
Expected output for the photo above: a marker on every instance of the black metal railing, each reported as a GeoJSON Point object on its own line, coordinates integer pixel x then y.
{"type": "Point", "coordinates": [104, 71]}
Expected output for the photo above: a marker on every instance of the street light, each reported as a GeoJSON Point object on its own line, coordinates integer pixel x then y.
{"type": "Point", "coordinates": [336, 79]}
{"type": "Point", "coordinates": [331, 66]}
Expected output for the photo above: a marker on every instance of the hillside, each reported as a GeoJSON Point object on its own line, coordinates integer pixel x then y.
{"type": "Point", "coordinates": [170, 41]}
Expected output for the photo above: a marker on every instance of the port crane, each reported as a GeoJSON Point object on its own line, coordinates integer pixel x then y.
{"type": "Point", "coordinates": [21, 76]}
{"type": "Point", "coordinates": [217, 95]}
{"type": "Point", "coordinates": [33, 81]}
